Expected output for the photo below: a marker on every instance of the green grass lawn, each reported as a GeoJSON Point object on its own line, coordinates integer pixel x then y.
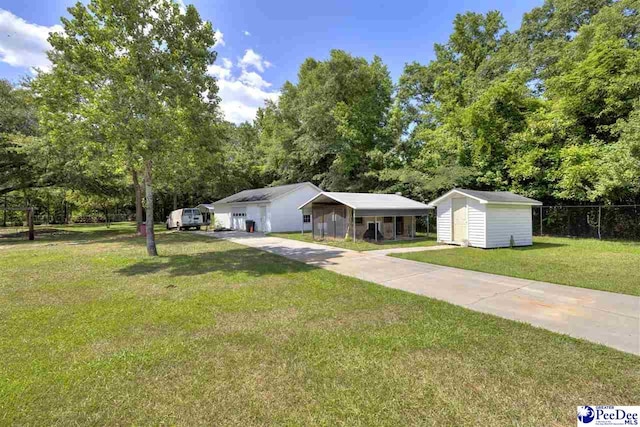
{"type": "Point", "coordinates": [586, 263]}
{"type": "Point", "coordinates": [360, 245]}
{"type": "Point", "coordinates": [94, 332]}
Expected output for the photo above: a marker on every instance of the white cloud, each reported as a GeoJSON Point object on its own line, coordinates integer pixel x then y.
{"type": "Point", "coordinates": [240, 101]}
{"type": "Point", "coordinates": [240, 97]}
{"type": "Point", "coordinates": [226, 63]}
{"type": "Point", "coordinates": [23, 44]}
{"type": "Point", "coordinates": [219, 38]}
{"type": "Point", "coordinates": [246, 33]}
{"type": "Point", "coordinates": [253, 79]}
{"type": "Point", "coordinates": [219, 72]}
{"type": "Point", "coordinates": [251, 58]}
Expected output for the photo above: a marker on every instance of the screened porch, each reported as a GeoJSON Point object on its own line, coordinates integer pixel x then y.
{"type": "Point", "coordinates": [362, 216]}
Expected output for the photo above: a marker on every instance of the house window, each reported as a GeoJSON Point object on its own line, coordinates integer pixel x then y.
{"type": "Point", "coordinates": [358, 220]}
{"type": "Point", "coordinates": [388, 219]}
{"type": "Point", "coordinates": [306, 218]}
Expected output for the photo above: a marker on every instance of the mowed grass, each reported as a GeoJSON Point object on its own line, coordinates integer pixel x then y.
{"type": "Point", "coordinates": [586, 263]}
{"type": "Point", "coordinates": [93, 332]}
{"type": "Point", "coordinates": [360, 245]}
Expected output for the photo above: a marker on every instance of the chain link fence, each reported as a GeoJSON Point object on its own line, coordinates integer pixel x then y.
{"type": "Point", "coordinates": [599, 222]}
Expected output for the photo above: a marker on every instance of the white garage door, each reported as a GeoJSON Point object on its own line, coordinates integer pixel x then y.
{"type": "Point", "coordinates": [238, 216]}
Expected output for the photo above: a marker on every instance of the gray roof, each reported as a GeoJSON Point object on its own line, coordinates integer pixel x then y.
{"type": "Point", "coordinates": [262, 194]}
{"type": "Point", "coordinates": [205, 207]}
{"type": "Point", "coordinates": [505, 197]}
{"type": "Point", "coordinates": [369, 201]}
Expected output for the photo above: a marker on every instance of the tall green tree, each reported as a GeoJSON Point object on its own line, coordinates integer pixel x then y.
{"type": "Point", "coordinates": [546, 110]}
{"type": "Point", "coordinates": [129, 82]}
{"type": "Point", "coordinates": [330, 127]}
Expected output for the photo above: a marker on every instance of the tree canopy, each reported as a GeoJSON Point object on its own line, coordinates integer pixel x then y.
{"type": "Point", "coordinates": [129, 87]}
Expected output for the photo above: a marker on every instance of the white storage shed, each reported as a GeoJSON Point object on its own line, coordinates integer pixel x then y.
{"type": "Point", "coordinates": [484, 219]}
{"type": "Point", "coordinates": [274, 209]}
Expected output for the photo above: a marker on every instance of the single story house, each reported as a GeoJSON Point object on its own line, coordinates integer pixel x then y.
{"type": "Point", "coordinates": [274, 209]}
{"type": "Point", "coordinates": [484, 219]}
{"type": "Point", "coordinates": [363, 216]}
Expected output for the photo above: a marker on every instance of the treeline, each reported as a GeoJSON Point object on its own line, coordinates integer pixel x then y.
{"type": "Point", "coordinates": [550, 110]}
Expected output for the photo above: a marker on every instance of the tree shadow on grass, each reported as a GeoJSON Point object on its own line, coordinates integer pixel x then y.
{"type": "Point", "coordinates": [241, 260]}
{"type": "Point", "coordinates": [61, 235]}
{"type": "Point", "coordinates": [75, 235]}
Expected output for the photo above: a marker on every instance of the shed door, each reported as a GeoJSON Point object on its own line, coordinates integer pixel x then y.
{"type": "Point", "coordinates": [263, 218]}
{"type": "Point", "coordinates": [459, 219]}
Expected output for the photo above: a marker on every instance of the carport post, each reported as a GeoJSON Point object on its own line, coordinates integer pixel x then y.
{"type": "Point", "coordinates": [427, 224]}
{"type": "Point", "coordinates": [414, 226]}
{"type": "Point", "coordinates": [354, 225]}
{"type": "Point", "coordinates": [395, 234]}
{"type": "Point", "coordinates": [302, 230]}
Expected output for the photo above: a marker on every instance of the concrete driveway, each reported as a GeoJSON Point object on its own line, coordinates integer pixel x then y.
{"type": "Point", "coordinates": [602, 317]}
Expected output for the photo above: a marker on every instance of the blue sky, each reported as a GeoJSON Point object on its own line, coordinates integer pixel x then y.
{"type": "Point", "coordinates": [264, 42]}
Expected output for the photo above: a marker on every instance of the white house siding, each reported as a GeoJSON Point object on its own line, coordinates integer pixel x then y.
{"type": "Point", "coordinates": [222, 216]}
{"type": "Point", "coordinates": [444, 221]}
{"type": "Point", "coordinates": [476, 225]}
{"type": "Point", "coordinates": [253, 214]}
{"type": "Point", "coordinates": [505, 221]}
{"type": "Point", "coordinates": [285, 215]}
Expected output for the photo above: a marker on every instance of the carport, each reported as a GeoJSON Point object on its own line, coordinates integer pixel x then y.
{"type": "Point", "coordinates": [207, 211]}
{"type": "Point", "coordinates": [363, 216]}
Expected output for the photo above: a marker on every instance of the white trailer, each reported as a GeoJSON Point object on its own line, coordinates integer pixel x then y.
{"type": "Point", "coordinates": [183, 219]}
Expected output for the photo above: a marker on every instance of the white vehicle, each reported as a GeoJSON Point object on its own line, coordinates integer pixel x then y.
{"type": "Point", "coordinates": [183, 219]}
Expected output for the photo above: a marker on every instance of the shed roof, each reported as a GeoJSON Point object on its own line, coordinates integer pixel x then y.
{"type": "Point", "coordinates": [263, 194]}
{"type": "Point", "coordinates": [372, 203]}
{"type": "Point", "coordinates": [484, 197]}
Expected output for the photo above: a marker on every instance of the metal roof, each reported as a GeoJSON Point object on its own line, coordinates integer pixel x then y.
{"type": "Point", "coordinates": [262, 194]}
{"type": "Point", "coordinates": [368, 201]}
{"type": "Point", "coordinates": [499, 197]}
{"type": "Point", "coordinates": [205, 207]}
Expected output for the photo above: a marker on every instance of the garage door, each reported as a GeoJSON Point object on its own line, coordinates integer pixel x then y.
{"type": "Point", "coordinates": [238, 216]}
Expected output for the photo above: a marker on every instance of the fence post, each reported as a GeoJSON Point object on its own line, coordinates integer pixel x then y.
{"type": "Point", "coordinates": [599, 215]}
{"type": "Point", "coordinates": [541, 220]}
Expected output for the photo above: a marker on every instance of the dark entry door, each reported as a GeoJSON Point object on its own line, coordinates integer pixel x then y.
{"type": "Point", "coordinates": [399, 225]}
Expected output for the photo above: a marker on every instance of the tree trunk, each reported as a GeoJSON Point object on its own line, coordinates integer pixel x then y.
{"type": "Point", "coordinates": [4, 214]}
{"type": "Point", "coordinates": [175, 201]}
{"type": "Point", "coordinates": [32, 235]}
{"type": "Point", "coordinates": [151, 238]}
{"type": "Point", "coordinates": [138, 191]}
